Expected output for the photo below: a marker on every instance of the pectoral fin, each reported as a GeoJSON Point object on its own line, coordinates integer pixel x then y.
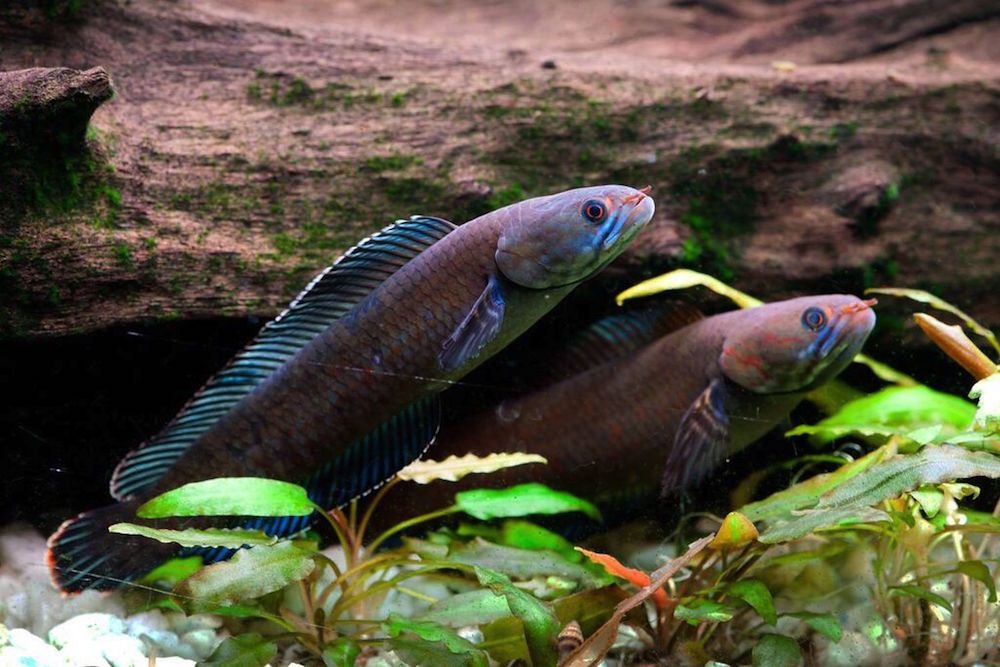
{"type": "Point", "coordinates": [479, 327]}
{"type": "Point", "coordinates": [701, 442]}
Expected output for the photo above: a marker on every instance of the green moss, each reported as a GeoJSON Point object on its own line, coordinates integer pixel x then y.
{"type": "Point", "coordinates": [391, 162]}
{"type": "Point", "coordinates": [843, 131]}
{"type": "Point", "coordinates": [123, 255]}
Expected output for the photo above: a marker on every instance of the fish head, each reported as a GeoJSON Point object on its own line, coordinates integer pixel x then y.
{"type": "Point", "coordinates": [565, 238]}
{"type": "Point", "coordinates": [796, 345]}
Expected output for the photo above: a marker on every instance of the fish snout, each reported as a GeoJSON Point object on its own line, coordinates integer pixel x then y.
{"type": "Point", "coordinates": [635, 212]}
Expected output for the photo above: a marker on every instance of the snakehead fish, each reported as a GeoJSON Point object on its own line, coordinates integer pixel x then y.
{"type": "Point", "coordinates": [339, 391]}
{"type": "Point", "coordinates": [648, 406]}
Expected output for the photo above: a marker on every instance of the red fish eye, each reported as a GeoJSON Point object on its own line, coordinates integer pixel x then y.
{"type": "Point", "coordinates": [814, 318]}
{"type": "Point", "coordinates": [594, 211]}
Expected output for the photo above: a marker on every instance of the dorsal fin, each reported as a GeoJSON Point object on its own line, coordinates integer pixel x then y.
{"type": "Point", "coordinates": [327, 298]}
{"type": "Point", "coordinates": [616, 336]}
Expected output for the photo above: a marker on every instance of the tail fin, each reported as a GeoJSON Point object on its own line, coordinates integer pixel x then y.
{"type": "Point", "coordinates": [84, 555]}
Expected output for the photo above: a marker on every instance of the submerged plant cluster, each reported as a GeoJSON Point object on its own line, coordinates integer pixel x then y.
{"type": "Point", "coordinates": [880, 559]}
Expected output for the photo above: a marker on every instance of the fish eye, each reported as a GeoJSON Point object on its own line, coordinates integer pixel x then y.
{"type": "Point", "coordinates": [814, 319]}
{"type": "Point", "coordinates": [594, 211]}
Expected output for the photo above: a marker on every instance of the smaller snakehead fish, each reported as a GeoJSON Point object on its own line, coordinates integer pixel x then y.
{"type": "Point", "coordinates": [654, 401]}
{"type": "Point", "coordinates": [339, 391]}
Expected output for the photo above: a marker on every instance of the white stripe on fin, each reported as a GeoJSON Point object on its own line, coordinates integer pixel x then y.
{"type": "Point", "coordinates": [327, 298]}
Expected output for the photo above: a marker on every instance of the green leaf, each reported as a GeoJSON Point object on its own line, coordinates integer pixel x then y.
{"type": "Point", "coordinates": [413, 650]}
{"type": "Point", "coordinates": [540, 624]}
{"type": "Point", "coordinates": [825, 624]}
{"type": "Point", "coordinates": [455, 468]}
{"type": "Point", "coordinates": [230, 496]}
{"type": "Point", "coordinates": [248, 650]}
{"type": "Point", "coordinates": [430, 631]}
{"type": "Point", "coordinates": [504, 640]}
{"type": "Point", "coordinates": [921, 593]}
{"type": "Point", "coordinates": [755, 594]}
{"type": "Point", "coordinates": [978, 570]}
{"type": "Point", "coordinates": [852, 500]}
{"type": "Point", "coordinates": [821, 518]}
{"type": "Point", "coordinates": [233, 538]}
{"type": "Point", "coordinates": [699, 610]}
{"type": "Point", "coordinates": [776, 651]}
{"type": "Point", "coordinates": [894, 411]}
{"type": "Point", "coordinates": [341, 652]}
{"type": "Point", "coordinates": [249, 574]}
{"type": "Point", "coordinates": [172, 572]}
{"type": "Point", "coordinates": [471, 608]}
{"type": "Point", "coordinates": [526, 535]}
{"type": "Point", "coordinates": [526, 564]}
{"type": "Point", "coordinates": [807, 493]}
{"type": "Point", "coordinates": [930, 500]}
{"type": "Point", "coordinates": [521, 500]}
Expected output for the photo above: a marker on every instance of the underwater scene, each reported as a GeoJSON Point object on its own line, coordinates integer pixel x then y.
{"type": "Point", "coordinates": [540, 334]}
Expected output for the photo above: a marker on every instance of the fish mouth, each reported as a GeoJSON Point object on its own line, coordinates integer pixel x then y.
{"type": "Point", "coordinates": [636, 211]}
{"type": "Point", "coordinates": [850, 331]}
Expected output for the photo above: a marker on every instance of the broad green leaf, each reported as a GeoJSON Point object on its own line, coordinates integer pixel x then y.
{"type": "Point", "coordinates": [978, 570]}
{"type": "Point", "coordinates": [683, 279]}
{"type": "Point", "coordinates": [894, 411]}
{"type": "Point", "coordinates": [233, 538]}
{"type": "Point", "coordinates": [940, 304]}
{"type": "Point", "coordinates": [526, 535]}
{"type": "Point", "coordinates": [230, 496]}
{"type": "Point", "coordinates": [250, 574]}
{"type": "Point", "coordinates": [341, 652]}
{"type": "Point", "coordinates": [934, 464]}
{"type": "Point", "coordinates": [504, 640]}
{"type": "Point", "coordinates": [736, 532]}
{"type": "Point", "coordinates": [987, 391]}
{"type": "Point", "coordinates": [521, 500]}
{"type": "Point", "coordinates": [476, 607]}
{"type": "Point", "coordinates": [247, 650]}
{"type": "Point", "coordinates": [921, 593]}
{"type": "Point", "coordinates": [700, 610]}
{"type": "Point", "coordinates": [852, 500]}
{"type": "Point", "coordinates": [173, 571]}
{"type": "Point", "coordinates": [413, 650]}
{"type": "Point", "coordinates": [455, 468]}
{"type": "Point", "coordinates": [526, 564]}
{"type": "Point", "coordinates": [884, 371]}
{"type": "Point", "coordinates": [825, 624]}
{"type": "Point", "coordinates": [807, 493]}
{"type": "Point", "coordinates": [428, 631]}
{"type": "Point", "coordinates": [776, 651]}
{"type": "Point", "coordinates": [540, 624]}
{"type": "Point", "coordinates": [755, 594]}
{"type": "Point", "coordinates": [825, 518]}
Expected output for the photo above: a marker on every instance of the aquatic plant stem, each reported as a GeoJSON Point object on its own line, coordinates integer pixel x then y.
{"type": "Point", "coordinates": [409, 523]}
{"type": "Point", "coordinates": [370, 510]}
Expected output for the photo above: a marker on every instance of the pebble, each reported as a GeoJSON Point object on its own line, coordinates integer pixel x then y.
{"type": "Point", "coordinates": [85, 627]}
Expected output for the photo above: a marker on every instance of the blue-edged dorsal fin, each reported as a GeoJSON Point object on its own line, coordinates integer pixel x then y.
{"type": "Point", "coordinates": [327, 298]}
{"type": "Point", "coordinates": [359, 470]}
{"type": "Point", "coordinates": [701, 442]}
{"type": "Point", "coordinates": [616, 336]}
